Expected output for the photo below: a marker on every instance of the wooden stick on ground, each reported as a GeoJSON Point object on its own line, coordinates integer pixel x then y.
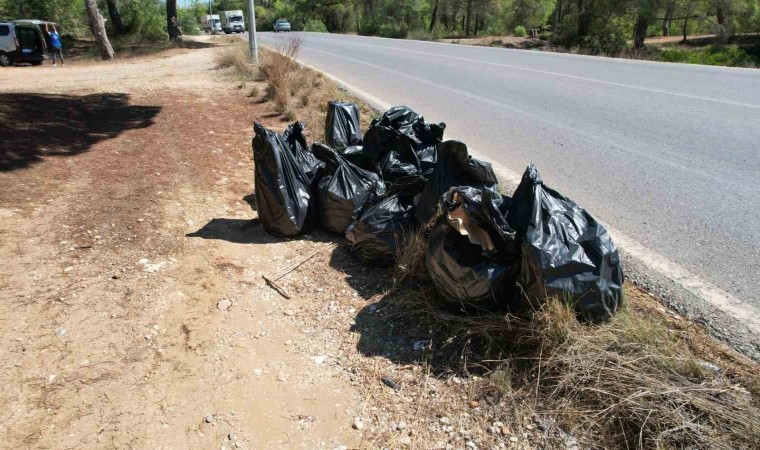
{"type": "Point", "coordinates": [273, 281]}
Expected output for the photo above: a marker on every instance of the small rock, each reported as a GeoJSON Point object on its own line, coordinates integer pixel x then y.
{"type": "Point", "coordinates": [709, 366]}
{"type": "Point", "coordinates": [319, 359]}
{"type": "Point", "coordinates": [143, 261]}
{"type": "Point", "coordinates": [190, 223]}
{"type": "Point", "coordinates": [358, 424]}
{"type": "Point", "coordinates": [289, 342]}
{"type": "Point", "coordinates": [401, 425]}
{"type": "Point", "coordinates": [224, 304]}
{"type": "Point", "coordinates": [258, 372]}
{"type": "Point", "coordinates": [52, 377]}
{"type": "Point", "coordinates": [61, 332]}
{"type": "Point", "coordinates": [68, 269]}
{"type": "Point", "coordinates": [529, 427]}
{"type": "Point", "coordinates": [444, 420]}
{"type": "Point", "coordinates": [141, 220]}
{"type": "Point", "coordinates": [406, 441]}
{"type": "Point", "coordinates": [209, 418]}
{"type": "Point", "coordinates": [505, 431]}
{"type": "Point", "coordinates": [471, 445]}
{"type": "Point", "coordinates": [473, 404]}
{"type": "Point", "coordinates": [289, 312]}
{"type": "Point", "coordinates": [421, 345]}
{"type": "Point", "coordinates": [513, 439]}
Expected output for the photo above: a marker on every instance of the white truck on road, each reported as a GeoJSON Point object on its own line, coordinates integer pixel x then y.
{"type": "Point", "coordinates": [233, 21]}
{"type": "Point", "coordinates": [211, 23]}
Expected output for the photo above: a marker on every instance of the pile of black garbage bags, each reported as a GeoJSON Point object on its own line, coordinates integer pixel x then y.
{"type": "Point", "coordinates": [486, 251]}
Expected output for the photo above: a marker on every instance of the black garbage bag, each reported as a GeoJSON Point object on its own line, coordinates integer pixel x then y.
{"type": "Point", "coordinates": [343, 189]}
{"type": "Point", "coordinates": [565, 251]}
{"type": "Point", "coordinates": [342, 126]}
{"type": "Point", "coordinates": [284, 178]}
{"type": "Point", "coordinates": [381, 229]}
{"type": "Point", "coordinates": [353, 154]}
{"type": "Point", "coordinates": [294, 135]}
{"type": "Point", "coordinates": [473, 256]}
{"type": "Point", "coordinates": [454, 167]}
{"type": "Point", "coordinates": [400, 144]}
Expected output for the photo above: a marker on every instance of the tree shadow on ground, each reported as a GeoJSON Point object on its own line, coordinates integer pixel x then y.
{"type": "Point", "coordinates": [38, 126]}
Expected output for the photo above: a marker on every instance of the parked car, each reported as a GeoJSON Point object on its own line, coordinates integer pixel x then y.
{"type": "Point", "coordinates": [22, 41]}
{"type": "Point", "coordinates": [233, 21]}
{"type": "Point", "coordinates": [281, 25]}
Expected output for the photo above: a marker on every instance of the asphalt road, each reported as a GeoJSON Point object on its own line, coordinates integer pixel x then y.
{"type": "Point", "coordinates": [666, 154]}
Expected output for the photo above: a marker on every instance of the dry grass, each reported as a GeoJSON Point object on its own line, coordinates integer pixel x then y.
{"type": "Point", "coordinates": [300, 93]}
{"type": "Point", "coordinates": [236, 57]}
{"type": "Point", "coordinates": [640, 381]}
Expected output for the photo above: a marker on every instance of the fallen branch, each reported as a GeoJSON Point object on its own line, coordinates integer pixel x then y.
{"type": "Point", "coordinates": [273, 281]}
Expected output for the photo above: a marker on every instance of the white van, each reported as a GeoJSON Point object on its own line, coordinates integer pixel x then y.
{"type": "Point", "coordinates": [211, 23]}
{"type": "Point", "coordinates": [22, 42]}
{"type": "Point", "coordinates": [233, 21]}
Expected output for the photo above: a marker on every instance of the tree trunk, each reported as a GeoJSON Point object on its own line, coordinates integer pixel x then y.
{"type": "Point", "coordinates": [667, 20]}
{"type": "Point", "coordinates": [468, 15]}
{"type": "Point", "coordinates": [584, 19]}
{"type": "Point", "coordinates": [685, 24]}
{"type": "Point", "coordinates": [640, 31]}
{"type": "Point", "coordinates": [171, 25]}
{"type": "Point", "coordinates": [98, 29]}
{"type": "Point", "coordinates": [720, 15]}
{"type": "Point", "coordinates": [445, 21]}
{"type": "Point", "coordinates": [464, 17]}
{"type": "Point", "coordinates": [113, 13]}
{"type": "Point", "coordinates": [433, 17]}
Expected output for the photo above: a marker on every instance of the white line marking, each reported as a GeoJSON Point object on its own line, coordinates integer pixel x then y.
{"type": "Point", "coordinates": [555, 74]}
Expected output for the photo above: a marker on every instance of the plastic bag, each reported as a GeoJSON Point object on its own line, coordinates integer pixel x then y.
{"type": "Point", "coordinates": [296, 140]}
{"type": "Point", "coordinates": [284, 177]}
{"type": "Point", "coordinates": [401, 144]}
{"type": "Point", "coordinates": [454, 167]}
{"type": "Point", "coordinates": [565, 251]}
{"type": "Point", "coordinates": [472, 255]}
{"type": "Point", "coordinates": [343, 189]}
{"type": "Point", "coordinates": [342, 126]}
{"type": "Point", "coordinates": [376, 235]}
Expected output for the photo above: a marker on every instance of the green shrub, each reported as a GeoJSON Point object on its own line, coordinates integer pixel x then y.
{"type": "Point", "coordinates": [545, 35]}
{"type": "Point", "coordinates": [397, 30]}
{"type": "Point", "coordinates": [520, 31]}
{"type": "Point", "coordinates": [316, 26]}
{"type": "Point", "coordinates": [610, 43]}
{"type": "Point", "coordinates": [711, 55]}
{"type": "Point", "coordinates": [188, 24]}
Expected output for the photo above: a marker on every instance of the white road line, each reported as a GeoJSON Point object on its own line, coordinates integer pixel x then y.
{"type": "Point", "coordinates": [729, 304]}
{"type": "Point", "coordinates": [539, 118]}
{"type": "Point", "coordinates": [546, 72]}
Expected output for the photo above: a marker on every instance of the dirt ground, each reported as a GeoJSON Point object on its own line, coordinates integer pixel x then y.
{"type": "Point", "coordinates": [121, 213]}
{"type": "Point", "coordinates": [133, 313]}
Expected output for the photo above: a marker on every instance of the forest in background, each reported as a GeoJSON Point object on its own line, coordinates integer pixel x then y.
{"type": "Point", "coordinates": [597, 26]}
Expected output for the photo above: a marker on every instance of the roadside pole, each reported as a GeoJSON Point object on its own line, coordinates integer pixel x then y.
{"type": "Point", "coordinates": [252, 44]}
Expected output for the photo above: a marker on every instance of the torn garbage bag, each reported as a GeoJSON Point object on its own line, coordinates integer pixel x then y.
{"type": "Point", "coordinates": [381, 229]}
{"type": "Point", "coordinates": [283, 183]}
{"type": "Point", "coordinates": [454, 167]}
{"type": "Point", "coordinates": [342, 126]}
{"type": "Point", "coordinates": [472, 253]}
{"type": "Point", "coordinates": [565, 251]}
{"type": "Point", "coordinates": [343, 189]}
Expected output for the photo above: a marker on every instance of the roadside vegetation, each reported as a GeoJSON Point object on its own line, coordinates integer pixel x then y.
{"type": "Point", "coordinates": [647, 379]}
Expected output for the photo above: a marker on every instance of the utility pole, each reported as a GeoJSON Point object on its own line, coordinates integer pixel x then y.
{"type": "Point", "coordinates": [252, 44]}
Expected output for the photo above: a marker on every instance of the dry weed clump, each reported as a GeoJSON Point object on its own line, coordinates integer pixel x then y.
{"type": "Point", "coordinates": [234, 56]}
{"type": "Point", "coordinates": [298, 92]}
{"type": "Point", "coordinates": [634, 382]}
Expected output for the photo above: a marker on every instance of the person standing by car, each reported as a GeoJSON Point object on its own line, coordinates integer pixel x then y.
{"type": "Point", "coordinates": [55, 43]}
